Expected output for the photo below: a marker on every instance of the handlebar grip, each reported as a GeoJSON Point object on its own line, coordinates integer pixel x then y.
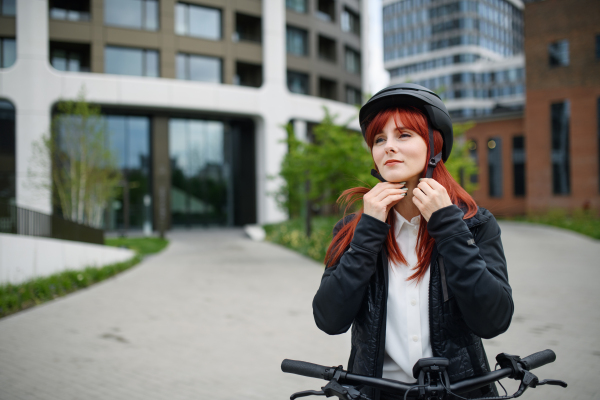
{"type": "Point", "coordinates": [538, 359]}
{"type": "Point", "coordinates": [303, 368]}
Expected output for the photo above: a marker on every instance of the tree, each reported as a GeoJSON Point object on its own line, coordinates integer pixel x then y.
{"type": "Point", "coordinates": [317, 172]}
{"type": "Point", "coordinates": [460, 163]}
{"type": "Point", "coordinates": [84, 172]}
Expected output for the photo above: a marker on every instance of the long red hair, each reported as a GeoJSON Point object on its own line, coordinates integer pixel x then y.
{"type": "Point", "coordinates": [414, 120]}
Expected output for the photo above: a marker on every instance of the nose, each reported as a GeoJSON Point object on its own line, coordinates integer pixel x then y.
{"type": "Point", "coordinates": [390, 146]}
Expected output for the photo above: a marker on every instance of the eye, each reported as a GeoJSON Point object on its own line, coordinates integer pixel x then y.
{"type": "Point", "coordinates": [377, 140]}
{"type": "Point", "coordinates": [405, 135]}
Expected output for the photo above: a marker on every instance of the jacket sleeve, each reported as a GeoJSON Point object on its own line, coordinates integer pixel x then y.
{"type": "Point", "coordinates": [344, 284]}
{"type": "Point", "coordinates": [475, 270]}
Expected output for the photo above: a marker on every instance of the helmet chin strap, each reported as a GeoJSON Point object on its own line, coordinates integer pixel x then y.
{"type": "Point", "coordinates": [433, 159]}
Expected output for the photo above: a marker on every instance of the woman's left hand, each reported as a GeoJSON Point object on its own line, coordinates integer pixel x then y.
{"type": "Point", "coordinates": [430, 196]}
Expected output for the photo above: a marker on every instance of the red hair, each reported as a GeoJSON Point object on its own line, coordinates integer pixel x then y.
{"type": "Point", "coordinates": [416, 121]}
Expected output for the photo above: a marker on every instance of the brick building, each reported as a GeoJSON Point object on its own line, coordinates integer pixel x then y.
{"type": "Point", "coordinates": [549, 155]}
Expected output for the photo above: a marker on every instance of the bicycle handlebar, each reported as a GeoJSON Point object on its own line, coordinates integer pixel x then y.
{"type": "Point", "coordinates": [304, 368]}
{"type": "Point", "coordinates": [535, 360]}
{"type": "Point", "coordinates": [538, 359]}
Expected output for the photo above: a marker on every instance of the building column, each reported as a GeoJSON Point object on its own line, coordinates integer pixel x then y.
{"type": "Point", "coordinates": [32, 101]}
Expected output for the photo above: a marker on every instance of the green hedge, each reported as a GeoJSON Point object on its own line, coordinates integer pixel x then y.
{"type": "Point", "coordinates": [291, 234]}
{"type": "Point", "coordinates": [14, 298]}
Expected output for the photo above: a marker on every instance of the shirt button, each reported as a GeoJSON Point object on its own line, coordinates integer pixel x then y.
{"type": "Point", "coordinates": [413, 302]}
{"type": "Point", "coordinates": [415, 338]}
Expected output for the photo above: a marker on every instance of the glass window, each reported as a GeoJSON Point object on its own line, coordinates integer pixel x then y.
{"type": "Point", "coordinates": [328, 89]}
{"type": "Point", "coordinates": [70, 10]}
{"type": "Point", "coordinates": [7, 151]}
{"type": "Point", "coordinates": [296, 5]}
{"type": "Point", "coordinates": [352, 61]}
{"type": "Point", "coordinates": [8, 52]}
{"type": "Point", "coordinates": [197, 21]}
{"type": "Point", "coordinates": [248, 27]}
{"type": "Point", "coordinates": [353, 96]}
{"type": "Point", "coordinates": [495, 167]}
{"type": "Point", "coordinates": [326, 10]}
{"type": "Point", "coordinates": [129, 139]}
{"type": "Point", "coordinates": [296, 41]}
{"type": "Point", "coordinates": [558, 53]}
{"type": "Point", "coordinates": [519, 166]}
{"type": "Point", "coordinates": [199, 183]}
{"type": "Point", "coordinates": [136, 14]}
{"type": "Point", "coordinates": [297, 82]}
{"type": "Point", "coordinates": [327, 49]}
{"type": "Point", "coordinates": [350, 21]}
{"type": "Point", "coordinates": [130, 61]}
{"type": "Point", "coordinates": [72, 57]}
{"type": "Point", "coordinates": [199, 68]}
{"type": "Point", "coordinates": [8, 8]}
{"type": "Point", "coordinates": [561, 169]}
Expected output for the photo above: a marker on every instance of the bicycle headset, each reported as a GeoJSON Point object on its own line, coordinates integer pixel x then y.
{"type": "Point", "coordinates": [421, 98]}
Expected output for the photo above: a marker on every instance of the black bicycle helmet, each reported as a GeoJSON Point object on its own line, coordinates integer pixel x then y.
{"type": "Point", "coordinates": [410, 94]}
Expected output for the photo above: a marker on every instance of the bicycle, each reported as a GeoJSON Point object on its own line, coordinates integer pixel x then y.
{"type": "Point", "coordinates": [432, 383]}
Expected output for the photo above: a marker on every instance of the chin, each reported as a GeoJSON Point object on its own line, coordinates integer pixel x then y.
{"type": "Point", "coordinates": [394, 177]}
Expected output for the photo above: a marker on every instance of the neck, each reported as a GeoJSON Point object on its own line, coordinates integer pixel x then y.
{"type": "Point", "coordinates": [406, 207]}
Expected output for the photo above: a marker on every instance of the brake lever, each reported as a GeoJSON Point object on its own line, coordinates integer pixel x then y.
{"type": "Point", "coordinates": [333, 388]}
{"type": "Point", "coordinates": [307, 393]}
{"type": "Point", "coordinates": [554, 382]}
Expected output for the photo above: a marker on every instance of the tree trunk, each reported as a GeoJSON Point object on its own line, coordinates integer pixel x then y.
{"type": "Point", "coordinates": [308, 211]}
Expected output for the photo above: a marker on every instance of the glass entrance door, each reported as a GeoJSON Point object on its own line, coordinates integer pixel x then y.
{"type": "Point", "coordinates": [200, 184]}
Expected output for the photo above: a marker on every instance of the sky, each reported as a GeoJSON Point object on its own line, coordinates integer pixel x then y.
{"type": "Point", "coordinates": [377, 77]}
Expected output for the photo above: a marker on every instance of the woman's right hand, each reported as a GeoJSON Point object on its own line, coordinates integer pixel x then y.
{"type": "Point", "coordinates": [382, 197]}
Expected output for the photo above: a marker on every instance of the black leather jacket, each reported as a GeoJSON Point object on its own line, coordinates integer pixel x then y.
{"type": "Point", "coordinates": [469, 294]}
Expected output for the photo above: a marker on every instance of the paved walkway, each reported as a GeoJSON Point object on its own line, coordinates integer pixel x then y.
{"type": "Point", "coordinates": [213, 316]}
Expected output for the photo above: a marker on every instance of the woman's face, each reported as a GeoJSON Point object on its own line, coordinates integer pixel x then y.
{"type": "Point", "coordinates": [399, 153]}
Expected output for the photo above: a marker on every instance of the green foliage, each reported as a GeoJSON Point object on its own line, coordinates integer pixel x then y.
{"type": "Point", "coordinates": [290, 234]}
{"type": "Point", "coordinates": [337, 160]}
{"type": "Point", "coordinates": [460, 162]}
{"type": "Point", "coordinates": [142, 246]}
{"type": "Point", "coordinates": [586, 222]}
{"type": "Point", "coordinates": [84, 172]}
{"type": "Point", "coordinates": [14, 298]}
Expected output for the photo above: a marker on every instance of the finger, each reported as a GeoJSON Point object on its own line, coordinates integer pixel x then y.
{"type": "Point", "coordinates": [381, 186]}
{"type": "Point", "coordinates": [393, 199]}
{"type": "Point", "coordinates": [435, 184]}
{"type": "Point", "coordinates": [424, 186]}
{"type": "Point", "coordinates": [388, 192]}
{"type": "Point", "coordinates": [418, 193]}
{"type": "Point", "coordinates": [418, 203]}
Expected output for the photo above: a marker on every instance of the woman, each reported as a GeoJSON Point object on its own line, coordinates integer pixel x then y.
{"type": "Point", "coordinates": [420, 270]}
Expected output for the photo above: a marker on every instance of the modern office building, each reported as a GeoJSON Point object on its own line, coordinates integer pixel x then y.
{"type": "Point", "coordinates": [547, 156]}
{"type": "Point", "coordinates": [468, 51]}
{"type": "Point", "coordinates": [194, 93]}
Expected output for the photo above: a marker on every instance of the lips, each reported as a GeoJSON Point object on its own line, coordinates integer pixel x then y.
{"type": "Point", "coordinates": [392, 162]}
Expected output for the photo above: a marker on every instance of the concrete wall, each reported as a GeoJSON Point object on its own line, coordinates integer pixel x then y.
{"type": "Point", "coordinates": [25, 257]}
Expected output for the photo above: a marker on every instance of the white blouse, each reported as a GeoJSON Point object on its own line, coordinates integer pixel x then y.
{"type": "Point", "coordinates": [407, 324]}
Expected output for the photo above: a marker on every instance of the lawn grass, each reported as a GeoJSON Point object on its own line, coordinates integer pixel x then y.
{"type": "Point", "coordinates": [14, 298]}
{"type": "Point", "coordinates": [142, 246]}
{"type": "Point", "coordinates": [586, 222]}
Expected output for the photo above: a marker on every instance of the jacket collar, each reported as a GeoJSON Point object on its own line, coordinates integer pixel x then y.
{"type": "Point", "coordinates": [479, 218]}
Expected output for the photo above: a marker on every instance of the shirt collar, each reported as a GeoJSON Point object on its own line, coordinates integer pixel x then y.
{"type": "Point", "coordinates": [400, 221]}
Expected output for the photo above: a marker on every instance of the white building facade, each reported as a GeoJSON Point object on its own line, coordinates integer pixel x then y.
{"type": "Point", "coordinates": [229, 130]}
